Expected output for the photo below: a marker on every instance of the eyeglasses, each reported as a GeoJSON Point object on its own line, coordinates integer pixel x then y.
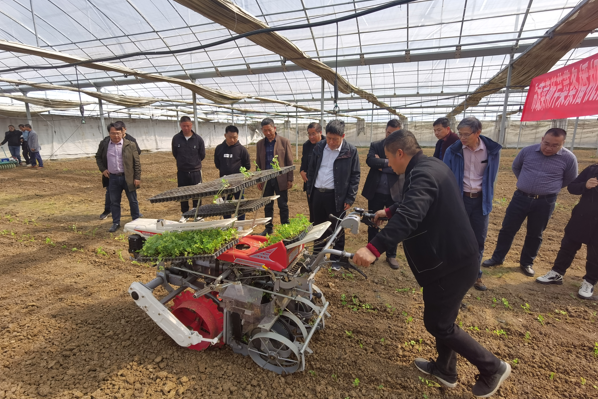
{"type": "Point", "coordinates": [464, 136]}
{"type": "Point", "coordinates": [115, 133]}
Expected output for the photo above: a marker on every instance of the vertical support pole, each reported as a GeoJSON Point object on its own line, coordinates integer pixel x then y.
{"type": "Point", "coordinates": [195, 111]}
{"type": "Point", "coordinates": [296, 135]}
{"type": "Point", "coordinates": [574, 133]}
{"type": "Point", "coordinates": [322, 105]}
{"type": "Point", "coordinates": [102, 121]}
{"type": "Point", "coordinates": [246, 132]}
{"type": "Point", "coordinates": [372, 125]}
{"type": "Point", "coordinates": [503, 121]}
{"type": "Point", "coordinates": [519, 136]}
{"type": "Point", "coordinates": [34, 25]}
{"type": "Point", "coordinates": [28, 111]}
{"type": "Point", "coordinates": [232, 114]}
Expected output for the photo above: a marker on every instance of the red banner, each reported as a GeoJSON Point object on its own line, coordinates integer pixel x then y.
{"type": "Point", "coordinates": [567, 92]}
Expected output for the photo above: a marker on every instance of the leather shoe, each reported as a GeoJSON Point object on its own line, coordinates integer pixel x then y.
{"type": "Point", "coordinates": [114, 227]}
{"type": "Point", "coordinates": [392, 262]}
{"type": "Point", "coordinates": [104, 215]}
{"type": "Point", "coordinates": [491, 262]}
{"type": "Point", "coordinates": [479, 285]}
{"type": "Point", "coordinates": [527, 270]}
{"type": "Point", "coordinates": [266, 232]}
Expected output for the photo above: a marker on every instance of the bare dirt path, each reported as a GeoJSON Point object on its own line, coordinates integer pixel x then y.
{"type": "Point", "coordinates": [68, 328]}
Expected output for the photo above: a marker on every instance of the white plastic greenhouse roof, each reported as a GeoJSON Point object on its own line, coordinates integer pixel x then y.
{"type": "Point", "coordinates": [421, 57]}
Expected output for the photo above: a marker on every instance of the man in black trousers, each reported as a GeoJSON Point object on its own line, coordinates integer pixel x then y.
{"type": "Point", "coordinates": [118, 125]}
{"type": "Point", "coordinates": [332, 182]}
{"type": "Point", "coordinates": [189, 150]}
{"type": "Point", "coordinates": [377, 188]}
{"type": "Point", "coordinates": [442, 252]}
{"type": "Point", "coordinates": [314, 133]}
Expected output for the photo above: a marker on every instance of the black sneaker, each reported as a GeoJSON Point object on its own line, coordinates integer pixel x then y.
{"type": "Point", "coordinates": [114, 227]}
{"type": "Point", "coordinates": [491, 262]}
{"type": "Point", "coordinates": [104, 215]}
{"type": "Point", "coordinates": [266, 232]}
{"type": "Point", "coordinates": [429, 367]}
{"type": "Point", "coordinates": [487, 386]}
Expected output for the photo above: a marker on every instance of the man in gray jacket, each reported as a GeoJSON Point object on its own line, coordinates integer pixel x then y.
{"type": "Point", "coordinates": [34, 148]}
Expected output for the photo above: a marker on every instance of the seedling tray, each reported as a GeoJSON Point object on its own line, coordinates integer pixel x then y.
{"type": "Point", "coordinates": [298, 237]}
{"type": "Point", "coordinates": [228, 209]}
{"type": "Point", "coordinates": [236, 183]}
{"type": "Point", "coordinates": [206, 257]}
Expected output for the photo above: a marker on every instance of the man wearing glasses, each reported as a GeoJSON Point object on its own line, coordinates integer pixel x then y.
{"type": "Point", "coordinates": [541, 170]}
{"type": "Point", "coordinates": [474, 161]}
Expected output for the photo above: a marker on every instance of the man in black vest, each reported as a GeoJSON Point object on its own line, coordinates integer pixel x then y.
{"type": "Point", "coordinates": [377, 186]}
{"type": "Point", "coordinates": [314, 133]}
{"type": "Point", "coordinates": [443, 255]}
{"type": "Point", "coordinates": [120, 126]}
{"type": "Point", "coordinates": [189, 150]}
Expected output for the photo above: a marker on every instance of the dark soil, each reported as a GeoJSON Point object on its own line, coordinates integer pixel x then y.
{"type": "Point", "coordinates": [68, 328]}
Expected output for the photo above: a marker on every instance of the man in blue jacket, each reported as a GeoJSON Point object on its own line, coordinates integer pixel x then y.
{"type": "Point", "coordinates": [474, 161]}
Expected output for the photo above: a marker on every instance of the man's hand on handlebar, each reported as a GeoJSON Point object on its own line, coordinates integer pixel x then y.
{"type": "Point", "coordinates": [364, 257]}
{"type": "Point", "coordinates": [379, 217]}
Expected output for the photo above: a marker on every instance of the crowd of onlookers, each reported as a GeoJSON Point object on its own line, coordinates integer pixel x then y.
{"type": "Point", "coordinates": [23, 139]}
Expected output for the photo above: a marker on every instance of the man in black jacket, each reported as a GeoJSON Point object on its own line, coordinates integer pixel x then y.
{"type": "Point", "coordinates": [230, 156]}
{"type": "Point", "coordinates": [442, 252]}
{"type": "Point", "coordinates": [120, 126]}
{"type": "Point", "coordinates": [189, 150]}
{"type": "Point", "coordinates": [378, 184]}
{"type": "Point", "coordinates": [332, 181]}
{"type": "Point", "coordinates": [314, 133]}
{"type": "Point", "coordinates": [581, 229]}
{"type": "Point", "coordinates": [13, 137]}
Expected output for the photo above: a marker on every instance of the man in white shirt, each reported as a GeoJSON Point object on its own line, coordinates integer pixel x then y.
{"type": "Point", "coordinates": [332, 181]}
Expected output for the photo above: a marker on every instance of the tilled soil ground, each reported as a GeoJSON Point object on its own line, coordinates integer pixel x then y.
{"type": "Point", "coordinates": [68, 328]}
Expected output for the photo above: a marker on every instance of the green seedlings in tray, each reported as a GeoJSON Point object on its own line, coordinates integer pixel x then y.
{"type": "Point", "coordinates": [187, 243]}
{"type": "Point", "coordinates": [275, 165]}
{"type": "Point", "coordinates": [296, 226]}
{"type": "Point", "coordinates": [225, 184]}
{"type": "Point", "coordinates": [245, 172]}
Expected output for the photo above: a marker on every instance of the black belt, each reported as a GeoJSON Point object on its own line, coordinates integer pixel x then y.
{"type": "Point", "coordinates": [117, 174]}
{"type": "Point", "coordinates": [325, 190]}
{"type": "Point", "coordinates": [472, 195]}
{"type": "Point", "coordinates": [534, 196]}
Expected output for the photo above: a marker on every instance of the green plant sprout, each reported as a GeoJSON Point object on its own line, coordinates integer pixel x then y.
{"type": "Point", "coordinates": [526, 308]}
{"type": "Point", "coordinates": [275, 164]}
{"type": "Point", "coordinates": [474, 328]}
{"type": "Point", "coordinates": [541, 319]}
{"type": "Point", "coordinates": [120, 256]}
{"type": "Point", "coordinates": [349, 334]}
{"type": "Point", "coordinates": [313, 373]}
{"type": "Point", "coordinates": [408, 320]}
{"type": "Point", "coordinates": [552, 375]}
{"type": "Point", "coordinates": [257, 168]}
{"type": "Point", "coordinates": [583, 381]}
{"type": "Point", "coordinates": [382, 341]}
{"type": "Point", "coordinates": [527, 336]}
{"type": "Point", "coordinates": [380, 387]}
{"type": "Point", "coordinates": [344, 299]}
{"type": "Point", "coordinates": [101, 252]}
{"type": "Point", "coordinates": [402, 289]}
{"type": "Point", "coordinates": [225, 184]}
{"type": "Point", "coordinates": [50, 242]}
{"type": "Point", "coordinates": [429, 383]}
{"type": "Point", "coordinates": [500, 332]}
{"type": "Point", "coordinates": [515, 361]}
{"type": "Point", "coordinates": [506, 303]}
{"type": "Point", "coordinates": [560, 312]}
{"type": "Point", "coordinates": [245, 172]}
{"type": "Point", "coordinates": [356, 382]}
{"type": "Point", "coordinates": [596, 349]}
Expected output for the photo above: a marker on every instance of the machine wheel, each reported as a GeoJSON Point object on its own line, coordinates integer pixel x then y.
{"type": "Point", "coordinates": [274, 352]}
{"type": "Point", "coordinates": [201, 315]}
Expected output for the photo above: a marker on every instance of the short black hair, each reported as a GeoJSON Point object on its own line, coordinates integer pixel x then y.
{"type": "Point", "coordinates": [404, 140]}
{"type": "Point", "coordinates": [442, 121]}
{"type": "Point", "coordinates": [336, 126]}
{"type": "Point", "coordinates": [28, 125]}
{"type": "Point", "coordinates": [184, 119]}
{"type": "Point", "coordinates": [268, 121]}
{"type": "Point", "coordinates": [21, 125]}
{"type": "Point", "coordinates": [11, 125]}
{"type": "Point", "coordinates": [556, 132]}
{"type": "Point", "coordinates": [471, 122]}
{"type": "Point", "coordinates": [394, 123]}
{"type": "Point", "coordinates": [315, 125]}
{"type": "Point", "coordinates": [116, 125]}
{"type": "Point", "coordinates": [231, 129]}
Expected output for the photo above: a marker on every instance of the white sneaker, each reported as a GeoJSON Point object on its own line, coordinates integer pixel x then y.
{"type": "Point", "coordinates": [586, 291]}
{"type": "Point", "coordinates": [183, 219]}
{"type": "Point", "coordinates": [551, 277]}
